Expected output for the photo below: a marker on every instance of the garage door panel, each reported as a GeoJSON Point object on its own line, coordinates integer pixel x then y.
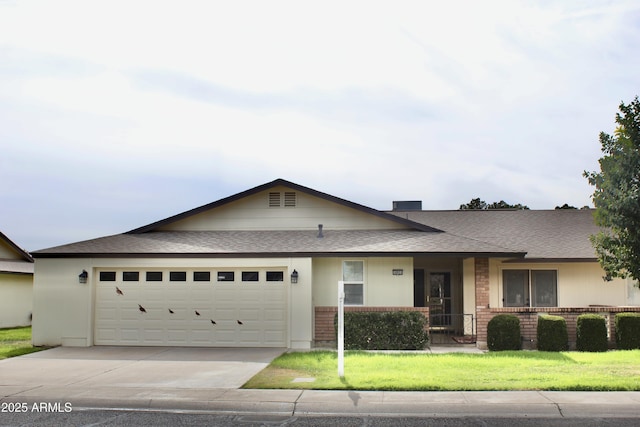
{"type": "Point", "coordinates": [249, 295]}
{"type": "Point", "coordinates": [171, 318]}
{"type": "Point", "coordinates": [274, 314]}
{"type": "Point", "coordinates": [129, 334]}
{"type": "Point", "coordinates": [226, 314]}
{"type": "Point", "coordinates": [247, 314]}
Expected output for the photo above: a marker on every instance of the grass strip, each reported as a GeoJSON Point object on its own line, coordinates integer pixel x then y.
{"type": "Point", "coordinates": [514, 370]}
{"type": "Point", "coordinates": [16, 342]}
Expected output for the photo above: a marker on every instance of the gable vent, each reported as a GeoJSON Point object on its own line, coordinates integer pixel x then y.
{"type": "Point", "coordinates": [289, 199]}
{"type": "Point", "coordinates": [274, 200]}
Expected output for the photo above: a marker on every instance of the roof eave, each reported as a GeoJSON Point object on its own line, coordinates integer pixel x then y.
{"type": "Point", "coordinates": [322, 254]}
{"type": "Point", "coordinates": [551, 260]}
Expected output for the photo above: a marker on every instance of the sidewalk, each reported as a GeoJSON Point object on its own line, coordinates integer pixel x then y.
{"type": "Point", "coordinates": [528, 404]}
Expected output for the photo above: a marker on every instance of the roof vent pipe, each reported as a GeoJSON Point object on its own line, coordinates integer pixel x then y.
{"type": "Point", "coordinates": [320, 235]}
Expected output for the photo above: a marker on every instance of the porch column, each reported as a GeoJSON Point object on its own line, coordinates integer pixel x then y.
{"type": "Point", "coordinates": [482, 300]}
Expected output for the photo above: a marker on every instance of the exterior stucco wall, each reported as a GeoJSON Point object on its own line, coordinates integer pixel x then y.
{"type": "Point", "coordinates": [254, 213]}
{"type": "Point", "coordinates": [381, 287]}
{"type": "Point", "coordinates": [64, 308]}
{"type": "Point", "coordinates": [468, 286]}
{"type": "Point", "coordinates": [580, 284]}
{"type": "Point", "coordinates": [16, 299]}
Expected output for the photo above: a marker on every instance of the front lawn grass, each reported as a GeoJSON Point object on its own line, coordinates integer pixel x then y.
{"type": "Point", "coordinates": [508, 370]}
{"type": "Point", "coordinates": [16, 342]}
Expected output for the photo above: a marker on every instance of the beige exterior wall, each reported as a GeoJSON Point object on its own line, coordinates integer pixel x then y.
{"type": "Point", "coordinates": [16, 299]}
{"type": "Point", "coordinates": [468, 286]}
{"type": "Point", "coordinates": [580, 284]}
{"type": "Point", "coordinates": [381, 287]}
{"type": "Point", "coordinates": [254, 213]}
{"type": "Point", "coordinates": [64, 308]}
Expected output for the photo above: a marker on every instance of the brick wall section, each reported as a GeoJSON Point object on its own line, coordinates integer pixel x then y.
{"type": "Point", "coordinates": [482, 299]}
{"type": "Point", "coordinates": [324, 330]}
{"type": "Point", "coordinates": [529, 320]}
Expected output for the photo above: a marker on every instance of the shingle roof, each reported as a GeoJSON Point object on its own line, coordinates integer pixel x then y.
{"type": "Point", "coordinates": [543, 234]}
{"type": "Point", "coordinates": [278, 243]}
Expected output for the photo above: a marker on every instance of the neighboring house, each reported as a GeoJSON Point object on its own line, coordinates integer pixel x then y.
{"type": "Point", "coordinates": [16, 284]}
{"type": "Point", "coordinates": [261, 269]}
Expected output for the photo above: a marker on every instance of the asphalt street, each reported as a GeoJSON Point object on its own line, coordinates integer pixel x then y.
{"type": "Point", "coordinates": [98, 417]}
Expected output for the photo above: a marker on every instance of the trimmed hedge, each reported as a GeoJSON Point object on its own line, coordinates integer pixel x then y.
{"type": "Point", "coordinates": [384, 330]}
{"type": "Point", "coordinates": [591, 333]}
{"type": "Point", "coordinates": [552, 333]}
{"type": "Point", "coordinates": [503, 333]}
{"type": "Point", "coordinates": [627, 331]}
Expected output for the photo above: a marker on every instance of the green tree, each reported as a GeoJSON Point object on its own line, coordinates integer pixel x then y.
{"type": "Point", "coordinates": [474, 204]}
{"type": "Point", "coordinates": [617, 196]}
{"type": "Point", "coordinates": [477, 204]}
{"type": "Point", "coordinates": [565, 206]}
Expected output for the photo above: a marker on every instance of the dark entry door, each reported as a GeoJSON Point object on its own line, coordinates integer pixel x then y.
{"type": "Point", "coordinates": [439, 299]}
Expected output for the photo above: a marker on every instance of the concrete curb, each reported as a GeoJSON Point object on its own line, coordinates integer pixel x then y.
{"type": "Point", "coordinates": [526, 404]}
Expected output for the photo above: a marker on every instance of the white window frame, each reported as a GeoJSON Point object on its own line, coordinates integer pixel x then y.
{"type": "Point", "coordinates": [354, 282]}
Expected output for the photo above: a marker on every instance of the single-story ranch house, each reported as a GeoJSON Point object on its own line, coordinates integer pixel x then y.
{"type": "Point", "coordinates": [261, 269]}
{"type": "Point", "coordinates": [16, 284]}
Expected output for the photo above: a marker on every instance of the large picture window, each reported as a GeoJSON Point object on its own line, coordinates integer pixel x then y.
{"type": "Point", "coordinates": [530, 288]}
{"type": "Point", "coordinates": [353, 278]}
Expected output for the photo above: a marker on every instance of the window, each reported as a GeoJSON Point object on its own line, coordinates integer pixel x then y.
{"type": "Point", "coordinates": [353, 277]}
{"type": "Point", "coordinates": [107, 276]}
{"type": "Point", "coordinates": [530, 288]}
{"type": "Point", "coordinates": [201, 276]}
{"type": "Point", "coordinates": [226, 276]}
{"type": "Point", "coordinates": [154, 276]}
{"type": "Point", "coordinates": [250, 276]}
{"type": "Point", "coordinates": [130, 276]}
{"type": "Point", "coordinates": [544, 286]}
{"type": "Point", "coordinates": [275, 276]}
{"type": "Point", "coordinates": [178, 276]}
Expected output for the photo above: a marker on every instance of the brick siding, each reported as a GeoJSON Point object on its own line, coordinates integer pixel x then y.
{"type": "Point", "coordinates": [482, 299]}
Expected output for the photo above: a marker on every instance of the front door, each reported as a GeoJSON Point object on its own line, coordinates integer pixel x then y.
{"type": "Point", "coordinates": [439, 299]}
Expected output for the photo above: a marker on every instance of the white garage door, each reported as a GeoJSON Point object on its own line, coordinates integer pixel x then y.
{"type": "Point", "coordinates": [198, 308]}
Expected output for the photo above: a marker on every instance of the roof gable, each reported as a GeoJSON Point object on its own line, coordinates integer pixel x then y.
{"type": "Point", "coordinates": [11, 251]}
{"type": "Point", "coordinates": [282, 205]}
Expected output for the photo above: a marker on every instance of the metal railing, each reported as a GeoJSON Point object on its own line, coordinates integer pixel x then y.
{"type": "Point", "coordinates": [452, 329]}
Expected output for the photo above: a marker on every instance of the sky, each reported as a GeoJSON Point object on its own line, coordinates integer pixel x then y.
{"type": "Point", "coordinates": [115, 114]}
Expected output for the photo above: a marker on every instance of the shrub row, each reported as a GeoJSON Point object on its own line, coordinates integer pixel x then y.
{"type": "Point", "coordinates": [393, 330]}
{"type": "Point", "coordinates": [628, 331]}
{"type": "Point", "coordinates": [503, 332]}
{"type": "Point", "coordinates": [591, 333]}
{"type": "Point", "coordinates": [552, 333]}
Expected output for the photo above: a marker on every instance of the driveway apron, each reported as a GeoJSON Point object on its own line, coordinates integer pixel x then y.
{"type": "Point", "coordinates": [133, 367]}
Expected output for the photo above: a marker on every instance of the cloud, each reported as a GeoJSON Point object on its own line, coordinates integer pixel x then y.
{"type": "Point", "coordinates": [117, 114]}
{"type": "Point", "coordinates": [351, 103]}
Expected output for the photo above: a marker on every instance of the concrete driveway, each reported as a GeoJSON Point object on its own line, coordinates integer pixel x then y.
{"type": "Point", "coordinates": [129, 371]}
